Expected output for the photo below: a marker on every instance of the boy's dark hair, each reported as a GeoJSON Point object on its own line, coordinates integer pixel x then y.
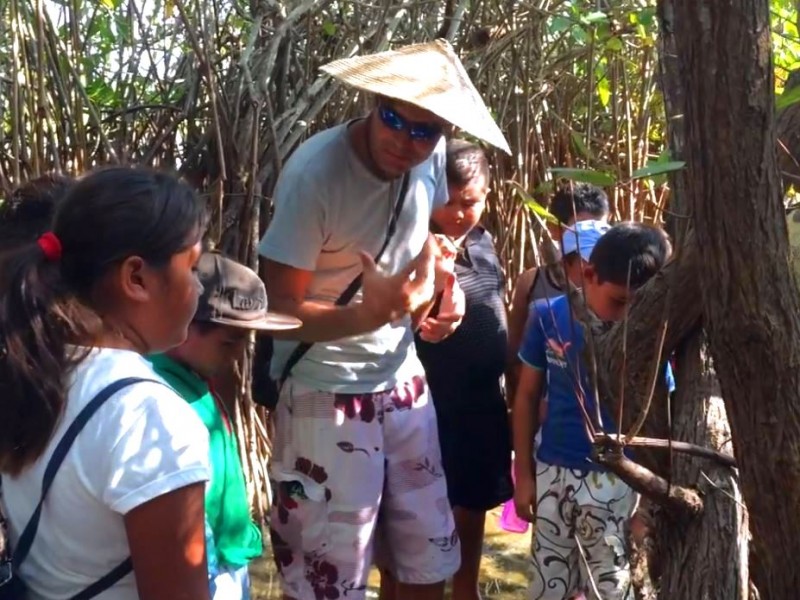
{"type": "Point", "coordinates": [46, 305]}
{"type": "Point", "coordinates": [28, 211]}
{"type": "Point", "coordinates": [639, 247]}
{"type": "Point", "coordinates": [579, 198]}
{"type": "Point", "coordinates": [205, 327]}
{"type": "Point", "coordinates": [465, 162]}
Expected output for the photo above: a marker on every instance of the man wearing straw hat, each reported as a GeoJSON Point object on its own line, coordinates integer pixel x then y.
{"type": "Point", "coordinates": [348, 252]}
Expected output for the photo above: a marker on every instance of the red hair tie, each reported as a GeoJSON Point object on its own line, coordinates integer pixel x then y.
{"type": "Point", "coordinates": [50, 245]}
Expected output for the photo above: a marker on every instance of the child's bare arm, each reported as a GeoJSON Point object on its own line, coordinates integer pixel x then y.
{"type": "Point", "coordinates": [517, 318]}
{"type": "Point", "coordinates": [525, 424]}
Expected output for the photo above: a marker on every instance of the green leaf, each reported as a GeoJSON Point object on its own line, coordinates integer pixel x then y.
{"type": "Point", "coordinates": [602, 31]}
{"type": "Point", "coordinates": [594, 17]}
{"type": "Point", "coordinates": [531, 203]}
{"type": "Point", "coordinates": [788, 98]}
{"type": "Point", "coordinates": [614, 44]}
{"type": "Point", "coordinates": [543, 188]}
{"type": "Point", "coordinates": [599, 178]}
{"type": "Point", "coordinates": [577, 139]}
{"type": "Point", "coordinates": [109, 4]}
{"type": "Point", "coordinates": [559, 24]}
{"type": "Point", "coordinates": [100, 93]}
{"type": "Point", "coordinates": [329, 28]}
{"type": "Point", "coordinates": [579, 34]}
{"type": "Point", "coordinates": [604, 91]}
{"type": "Point", "coordinates": [658, 168]}
{"type": "Point", "coordinates": [647, 16]}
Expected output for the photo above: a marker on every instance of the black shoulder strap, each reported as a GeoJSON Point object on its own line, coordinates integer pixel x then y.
{"type": "Point", "coordinates": [351, 290]}
{"type": "Point", "coordinates": [23, 547]}
{"type": "Point", "coordinates": [105, 582]}
{"type": "Point", "coordinates": [532, 289]}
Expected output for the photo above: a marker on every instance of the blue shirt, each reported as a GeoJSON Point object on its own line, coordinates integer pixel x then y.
{"type": "Point", "coordinates": [554, 343]}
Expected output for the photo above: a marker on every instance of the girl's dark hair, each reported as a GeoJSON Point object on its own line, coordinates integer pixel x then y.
{"type": "Point", "coordinates": [465, 162]}
{"type": "Point", "coordinates": [28, 211]}
{"type": "Point", "coordinates": [45, 306]}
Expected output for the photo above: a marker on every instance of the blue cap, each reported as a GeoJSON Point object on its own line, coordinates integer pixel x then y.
{"type": "Point", "coordinates": [584, 234]}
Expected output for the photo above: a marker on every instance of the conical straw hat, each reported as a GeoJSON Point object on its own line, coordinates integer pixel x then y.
{"type": "Point", "coordinates": [427, 75]}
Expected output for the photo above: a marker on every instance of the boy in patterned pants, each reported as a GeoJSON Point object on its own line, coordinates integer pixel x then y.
{"type": "Point", "coordinates": [580, 509]}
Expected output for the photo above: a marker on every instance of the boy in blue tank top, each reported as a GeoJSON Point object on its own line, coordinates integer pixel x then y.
{"type": "Point", "coordinates": [580, 508]}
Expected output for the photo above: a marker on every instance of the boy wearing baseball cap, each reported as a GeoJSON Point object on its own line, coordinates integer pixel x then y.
{"type": "Point", "coordinates": [233, 303]}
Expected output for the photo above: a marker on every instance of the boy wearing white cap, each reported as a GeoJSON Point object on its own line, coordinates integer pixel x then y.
{"type": "Point", "coordinates": [349, 253]}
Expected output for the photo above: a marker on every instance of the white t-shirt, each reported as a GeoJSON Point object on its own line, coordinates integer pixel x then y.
{"type": "Point", "coordinates": [328, 206]}
{"type": "Point", "coordinates": [144, 442]}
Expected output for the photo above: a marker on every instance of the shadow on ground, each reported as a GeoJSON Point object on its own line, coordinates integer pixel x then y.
{"type": "Point", "coordinates": [503, 570]}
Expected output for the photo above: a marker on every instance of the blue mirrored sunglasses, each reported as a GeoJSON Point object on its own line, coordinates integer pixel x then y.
{"type": "Point", "coordinates": [419, 132]}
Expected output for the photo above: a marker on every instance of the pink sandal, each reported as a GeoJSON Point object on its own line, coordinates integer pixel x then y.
{"type": "Point", "coordinates": [509, 520]}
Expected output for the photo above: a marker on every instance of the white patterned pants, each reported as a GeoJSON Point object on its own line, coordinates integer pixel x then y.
{"type": "Point", "coordinates": [579, 540]}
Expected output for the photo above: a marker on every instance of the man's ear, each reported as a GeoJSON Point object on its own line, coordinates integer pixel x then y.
{"type": "Point", "coordinates": [133, 279]}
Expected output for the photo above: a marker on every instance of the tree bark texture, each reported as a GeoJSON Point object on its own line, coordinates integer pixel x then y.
{"type": "Point", "coordinates": [750, 303]}
{"type": "Point", "coordinates": [704, 558]}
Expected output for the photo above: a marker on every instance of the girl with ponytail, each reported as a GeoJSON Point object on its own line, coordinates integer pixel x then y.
{"type": "Point", "coordinates": [123, 506]}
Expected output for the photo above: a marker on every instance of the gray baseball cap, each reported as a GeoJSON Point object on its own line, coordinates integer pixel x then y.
{"type": "Point", "coordinates": [234, 295]}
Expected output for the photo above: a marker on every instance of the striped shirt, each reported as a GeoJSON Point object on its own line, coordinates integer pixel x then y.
{"type": "Point", "coordinates": [464, 370]}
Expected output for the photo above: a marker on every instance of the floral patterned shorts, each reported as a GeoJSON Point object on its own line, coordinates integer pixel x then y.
{"type": "Point", "coordinates": [579, 541]}
{"type": "Point", "coordinates": [348, 468]}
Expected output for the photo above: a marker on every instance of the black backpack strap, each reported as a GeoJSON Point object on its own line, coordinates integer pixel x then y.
{"type": "Point", "coordinates": [532, 289]}
{"type": "Point", "coordinates": [352, 289]}
{"type": "Point", "coordinates": [23, 546]}
{"type": "Point", "coordinates": [108, 580]}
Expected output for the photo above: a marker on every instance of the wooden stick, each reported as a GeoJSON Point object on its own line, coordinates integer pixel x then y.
{"type": "Point", "coordinates": [684, 447]}
{"type": "Point", "coordinates": [683, 500]}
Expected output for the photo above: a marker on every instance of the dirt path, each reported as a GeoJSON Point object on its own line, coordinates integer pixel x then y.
{"type": "Point", "coordinates": [503, 570]}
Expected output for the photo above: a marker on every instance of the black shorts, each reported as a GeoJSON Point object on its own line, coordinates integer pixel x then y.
{"type": "Point", "coordinates": [476, 453]}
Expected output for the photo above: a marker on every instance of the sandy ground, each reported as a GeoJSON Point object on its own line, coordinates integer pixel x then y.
{"type": "Point", "coordinates": [503, 570]}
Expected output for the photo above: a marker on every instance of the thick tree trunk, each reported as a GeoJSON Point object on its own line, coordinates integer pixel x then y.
{"type": "Point", "coordinates": [751, 306]}
{"type": "Point", "coordinates": [694, 558]}
{"type": "Point", "coordinates": [704, 558]}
